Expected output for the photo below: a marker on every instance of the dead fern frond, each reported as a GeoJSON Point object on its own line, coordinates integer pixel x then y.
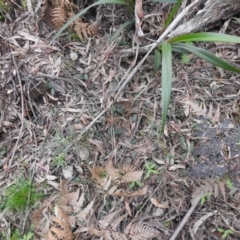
{"type": "Point", "coordinates": [100, 175]}
{"type": "Point", "coordinates": [141, 230]}
{"type": "Point", "coordinates": [85, 30]}
{"type": "Point", "coordinates": [132, 176]}
{"type": "Point", "coordinates": [128, 168]}
{"type": "Point", "coordinates": [114, 173]}
{"type": "Point", "coordinates": [59, 16]}
{"type": "Point", "coordinates": [60, 228]}
{"type": "Point", "coordinates": [209, 187]}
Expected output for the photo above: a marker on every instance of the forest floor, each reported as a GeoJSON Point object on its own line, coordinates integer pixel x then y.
{"type": "Point", "coordinates": [119, 179]}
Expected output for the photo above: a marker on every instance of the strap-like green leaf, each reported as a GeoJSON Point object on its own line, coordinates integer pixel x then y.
{"type": "Point", "coordinates": [166, 81]}
{"type": "Point", "coordinates": [71, 20]}
{"type": "Point", "coordinates": [206, 37]}
{"type": "Point", "coordinates": [172, 14]}
{"type": "Point", "coordinates": [205, 55]}
{"type": "Point", "coordinates": [157, 60]}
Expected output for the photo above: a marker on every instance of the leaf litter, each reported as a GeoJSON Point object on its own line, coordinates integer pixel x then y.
{"type": "Point", "coordinates": [63, 92]}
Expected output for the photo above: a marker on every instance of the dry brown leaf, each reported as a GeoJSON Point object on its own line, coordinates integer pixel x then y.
{"type": "Point", "coordinates": [222, 189]}
{"type": "Point", "coordinates": [128, 209]}
{"type": "Point", "coordinates": [75, 201]}
{"type": "Point", "coordinates": [157, 204]}
{"type": "Point", "coordinates": [123, 193]}
{"type": "Point", "coordinates": [205, 188]}
{"type": "Point", "coordinates": [216, 117]}
{"type": "Point", "coordinates": [202, 220]}
{"type": "Point", "coordinates": [106, 220]}
{"type": "Point", "coordinates": [86, 211]}
{"type": "Point", "coordinates": [116, 222]}
{"type": "Point", "coordinates": [215, 186]}
{"type": "Point", "coordinates": [139, 9]}
{"type": "Point", "coordinates": [139, 15]}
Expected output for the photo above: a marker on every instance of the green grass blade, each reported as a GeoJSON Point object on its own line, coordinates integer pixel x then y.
{"type": "Point", "coordinates": [71, 20]}
{"type": "Point", "coordinates": [206, 37]}
{"type": "Point", "coordinates": [207, 56]}
{"type": "Point", "coordinates": [176, 48]}
{"type": "Point", "coordinates": [166, 81]}
{"type": "Point", "coordinates": [157, 60]}
{"type": "Point", "coordinates": [172, 14]}
{"type": "Point", "coordinates": [117, 33]}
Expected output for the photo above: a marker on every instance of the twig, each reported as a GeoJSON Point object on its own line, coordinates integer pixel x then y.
{"type": "Point", "coordinates": [22, 115]}
{"type": "Point", "coordinates": [124, 81]}
{"type": "Point", "coordinates": [186, 217]}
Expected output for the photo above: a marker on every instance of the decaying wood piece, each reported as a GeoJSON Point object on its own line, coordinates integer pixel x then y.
{"type": "Point", "coordinates": [213, 11]}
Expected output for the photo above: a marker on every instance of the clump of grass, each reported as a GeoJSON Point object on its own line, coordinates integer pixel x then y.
{"type": "Point", "coordinates": [20, 195]}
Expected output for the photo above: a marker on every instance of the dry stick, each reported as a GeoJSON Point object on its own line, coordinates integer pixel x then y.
{"type": "Point", "coordinates": [22, 115]}
{"type": "Point", "coordinates": [154, 45]}
{"type": "Point", "coordinates": [186, 217]}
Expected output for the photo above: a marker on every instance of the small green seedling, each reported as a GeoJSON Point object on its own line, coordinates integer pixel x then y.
{"type": "Point", "coordinates": [186, 145]}
{"type": "Point", "coordinates": [205, 198]}
{"type": "Point", "coordinates": [225, 233]}
{"type": "Point", "coordinates": [229, 184]}
{"type": "Point", "coordinates": [150, 169]}
{"type": "Point", "coordinates": [167, 224]}
{"type": "Point", "coordinates": [59, 161]}
{"type": "Point", "coordinates": [136, 183]}
{"type": "Point", "coordinates": [185, 58]}
{"type": "Point", "coordinates": [20, 195]}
